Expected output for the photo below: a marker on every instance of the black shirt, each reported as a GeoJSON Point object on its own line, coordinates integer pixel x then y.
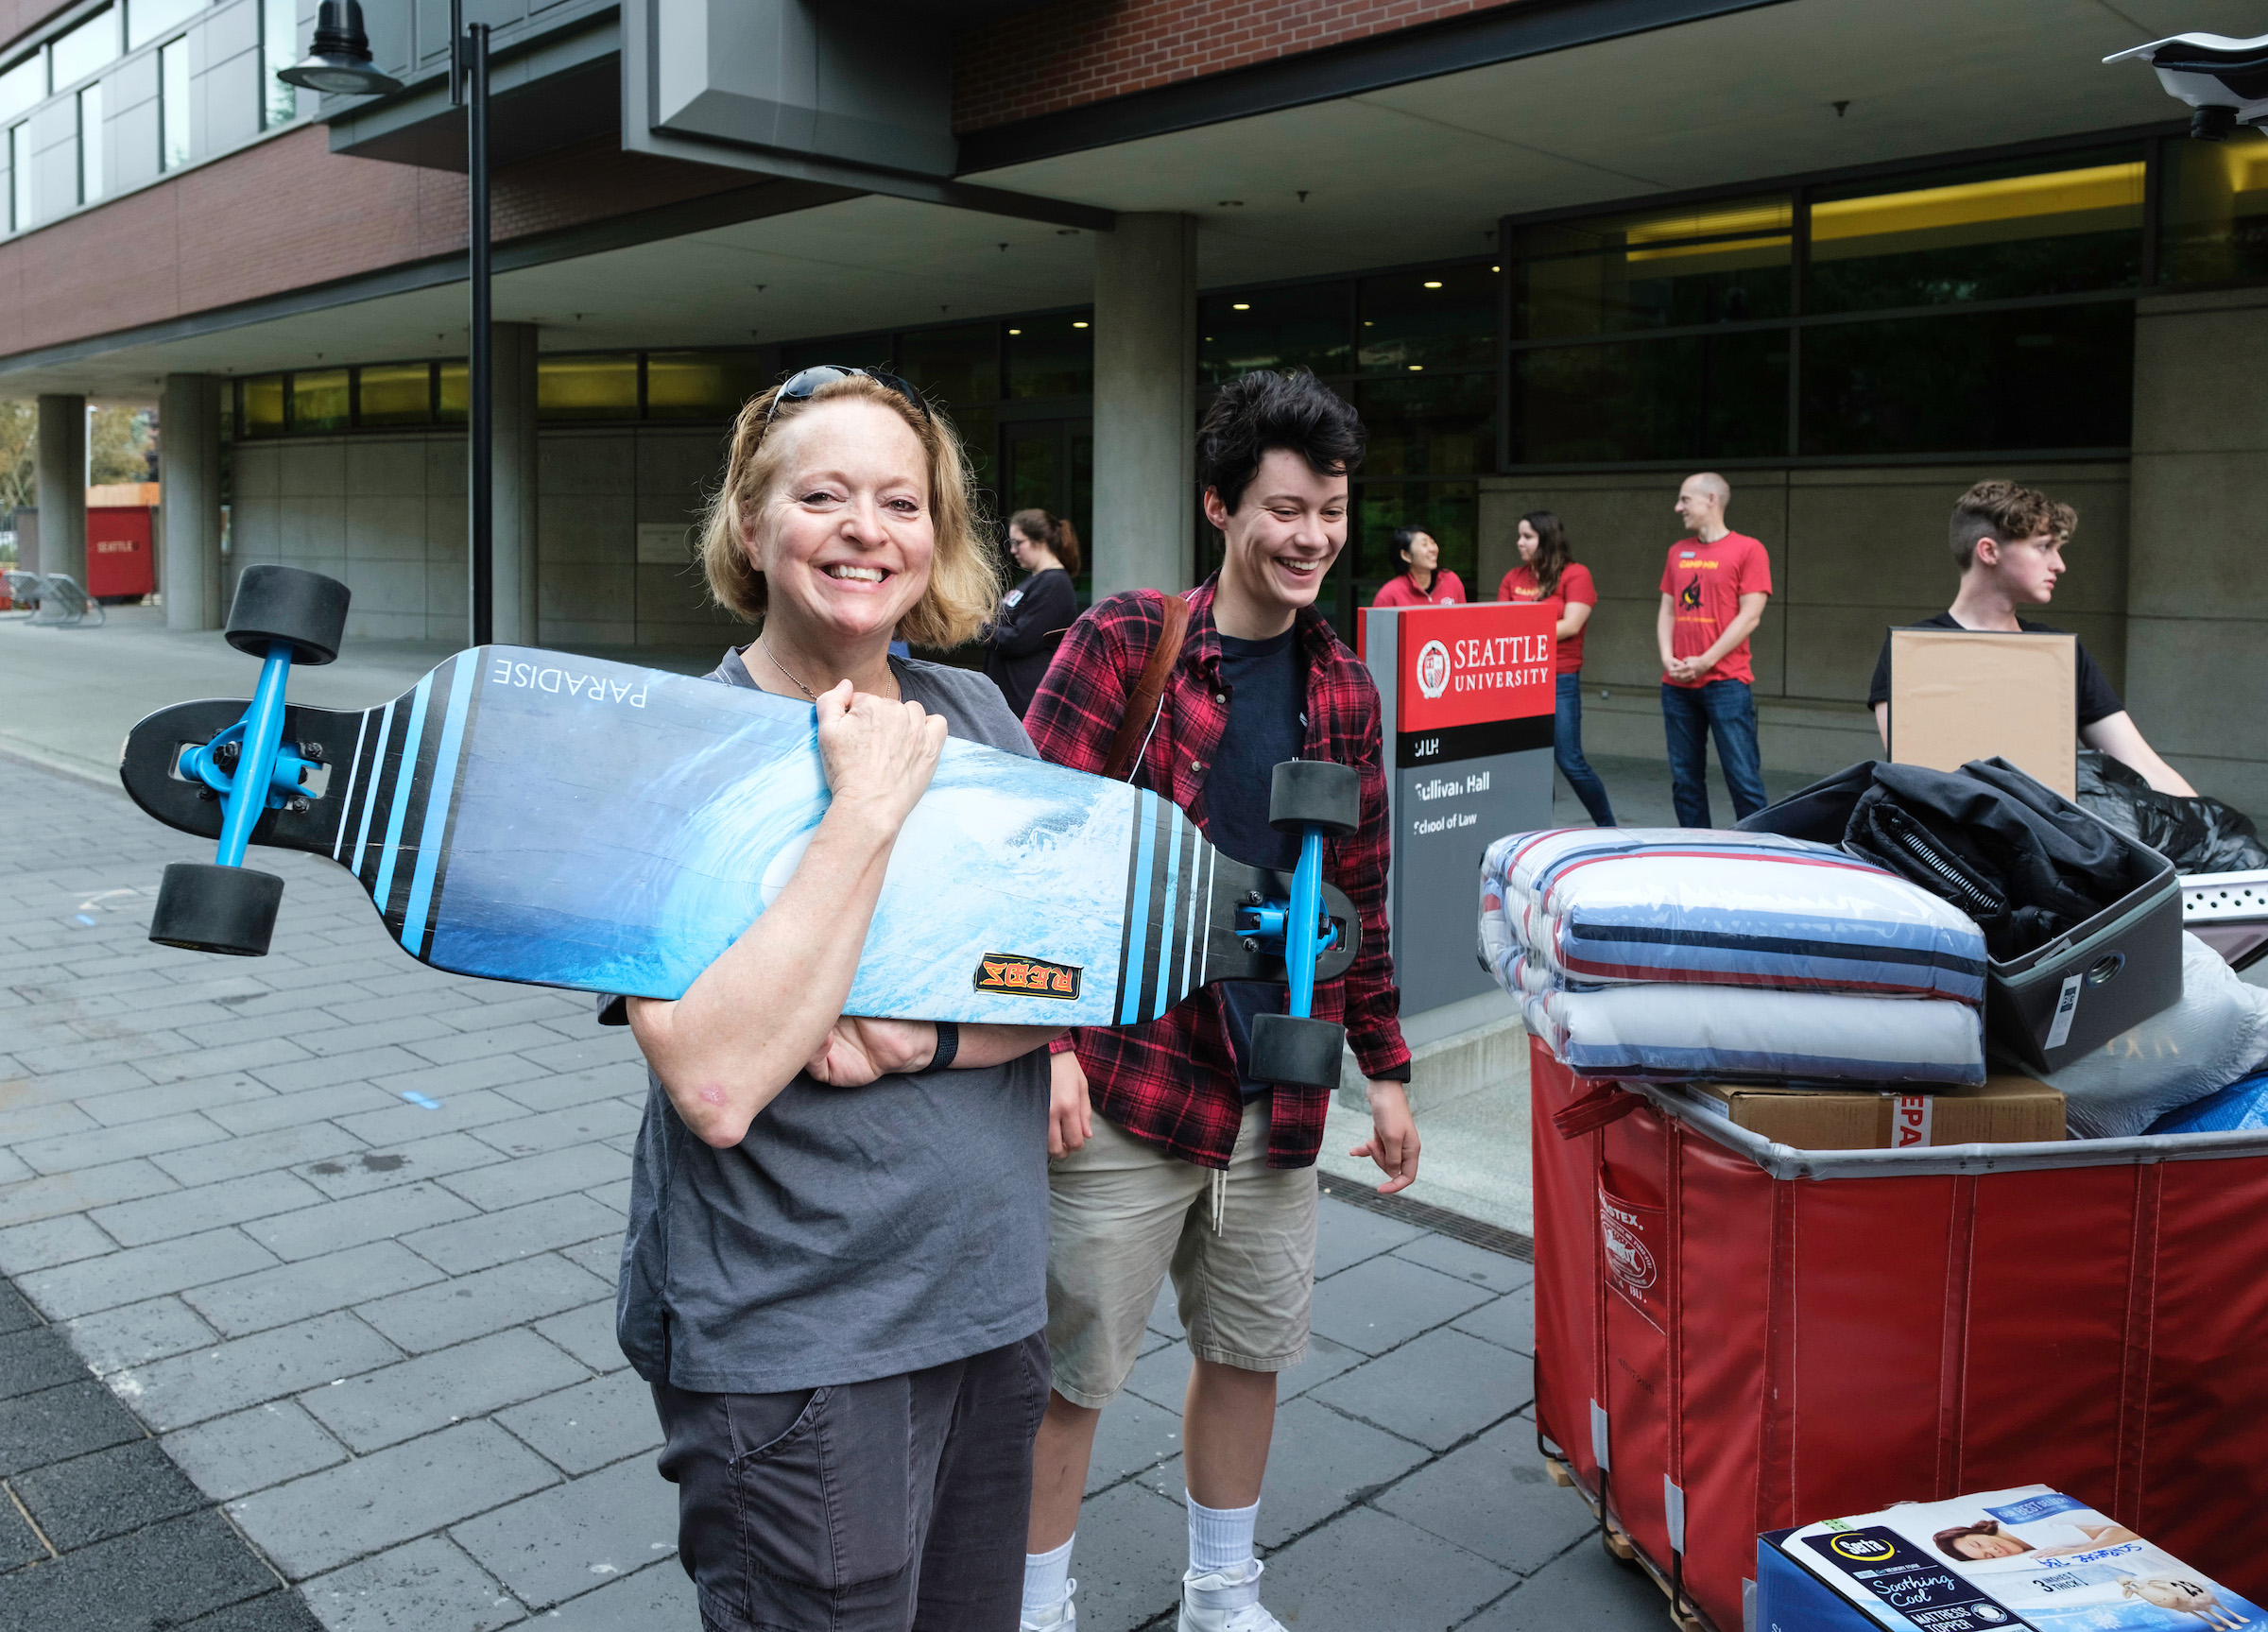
{"type": "Point", "coordinates": [2097, 700]}
{"type": "Point", "coordinates": [1025, 632]}
{"type": "Point", "coordinates": [1267, 724]}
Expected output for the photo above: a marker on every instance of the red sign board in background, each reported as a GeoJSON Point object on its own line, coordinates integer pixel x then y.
{"type": "Point", "coordinates": [119, 559]}
{"type": "Point", "coordinates": [1476, 664]}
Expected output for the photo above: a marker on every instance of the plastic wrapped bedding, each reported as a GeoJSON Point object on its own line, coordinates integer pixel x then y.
{"type": "Point", "coordinates": [1750, 1033]}
{"type": "Point", "coordinates": [1607, 907]}
{"type": "Point", "coordinates": [2215, 1035]}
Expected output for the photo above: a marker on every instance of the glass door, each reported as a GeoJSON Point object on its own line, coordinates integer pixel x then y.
{"type": "Point", "coordinates": [1050, 465]}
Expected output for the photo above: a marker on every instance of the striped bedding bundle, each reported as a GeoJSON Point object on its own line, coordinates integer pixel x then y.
{"type": "Point", "coordinates": [1613, 906]}
{"type": "Point", "coordinates": [1672, 952]}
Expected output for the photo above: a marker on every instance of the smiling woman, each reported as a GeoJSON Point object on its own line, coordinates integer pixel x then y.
{"type": "Point", "coordinates": [836, 1244]}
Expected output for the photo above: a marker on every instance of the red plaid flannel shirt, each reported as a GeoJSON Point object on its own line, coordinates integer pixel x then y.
{"type": "Point", "coordinates": [1173, 1082]}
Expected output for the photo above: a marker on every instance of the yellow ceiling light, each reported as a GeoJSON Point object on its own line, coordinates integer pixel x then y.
{"type": "Point", "coordinates": [1015, 331]}
{"type": "Point", "coordinates": [2046, 201]}
{"type": "Point", "coordinates": [1241, 306]}
{"type": "Point", "coordinates": [1433, 282]}
{"type": "Point", "coordinates": [1416, 367]}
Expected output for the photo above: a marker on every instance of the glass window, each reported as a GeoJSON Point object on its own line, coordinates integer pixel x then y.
{"type": "Point", "coordinates": [1451, 511]}
{"type": "Point", "coordinates": [1721, 396]}
{"type": "Point", "coordinates": [19, 178]}
{"type": "Point", "coordinates": [1416, 320]}
{"type": "Point", "coordinates": [74, 56]}
{"type": "Point", "coordinates": [21, 85]}
{"type": "Point", "coordinates": [863, 352]}
{"type": "Point", "coordinates": [394, 394]}
{"type": "Point", "coordinates": [1429, 425]}
{"type": "Point", "coordinates": [262, 406]}
{"type": "Point", "coordinates": [90, 145]}
{"type": "Point", "coordinates": [1980, 234]}
{"type": "Point", "coordinates": [278, 49]}
{"type": "Point", "coordinates": [955, 365]}
{"type": "Point", "coordinates": [596, 387]}
{"type": "Point", "coordinates": [453, 393]}
{"type": "Point", "coordinates": [1720, 262]}
{"type": "Point", "coordinates": [700, 385]}
{"type": "Point", "coordinates": [173, 104]}
{"type": "Point", "coordinates": [318, 400]}
{"type": "Point", "coordinates": [1302, 327]}
{"type": "Point", "coordinates": [1052, 357]}
{"type": "Point", "coordinates": [979, 430]}
{"type": "Point", "coordinates": [147, 19]}
{"type": "Point", "coordinates": [2059, 377]}
{"type": "Point", "coordinates": [2213, 224]}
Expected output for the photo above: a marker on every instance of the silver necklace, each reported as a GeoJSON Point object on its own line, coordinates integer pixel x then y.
{"type": "Point", "coordinates": [766, 648]}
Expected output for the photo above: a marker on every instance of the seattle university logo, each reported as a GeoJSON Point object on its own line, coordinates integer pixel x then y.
{"type": "Point", "coordinates": [1432, 668]}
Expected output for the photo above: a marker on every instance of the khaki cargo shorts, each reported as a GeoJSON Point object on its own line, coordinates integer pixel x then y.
{"type": "Point", "coordinates": [1122, 1215]}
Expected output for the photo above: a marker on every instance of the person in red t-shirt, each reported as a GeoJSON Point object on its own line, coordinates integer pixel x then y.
{"type": "Point", "coordinates": [1424, 582]}
{"type": "Point", "coordinates": [1547, 573]}
{"type": "Point", "coordinates": [1713, 591]}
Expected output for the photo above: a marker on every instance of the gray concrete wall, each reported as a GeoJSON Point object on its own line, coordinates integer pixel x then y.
{"type": "Point", "coordinates": [386, 515]}
{"type": "Point", "coordinates": [2197, 596]}
{"type": "Point", "coordinates": [61, 471]}
{"type": "Point", "coordinates": [1145, 404]}
{"type": "Point", "coordinates": [1853, 551]}
{"type": "Point", "coordinates": [189, 489]}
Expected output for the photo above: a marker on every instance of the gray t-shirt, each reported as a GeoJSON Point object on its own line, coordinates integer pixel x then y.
{"type": "Point", "coordinates": [855, 1232]}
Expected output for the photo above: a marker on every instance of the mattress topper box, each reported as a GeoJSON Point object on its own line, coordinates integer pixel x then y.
{"type": "Point", "coordinates": [2006, 1110]}
{"type": "Point", "coordinates": [1962, 695]}
{"type": "Point", "coordinates": [2029, 1556]}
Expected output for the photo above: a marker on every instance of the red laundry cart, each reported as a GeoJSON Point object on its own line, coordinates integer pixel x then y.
{"type": "Point", "coordinates": [121, 565]}
{"type": "Point", "coordinates": [1732, 1336]}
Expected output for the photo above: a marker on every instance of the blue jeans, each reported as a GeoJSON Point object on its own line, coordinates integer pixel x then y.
{"type": "Point", "coordinates": [1566, 751]}
{"type": "Point", "coordinates": [1689, 715]}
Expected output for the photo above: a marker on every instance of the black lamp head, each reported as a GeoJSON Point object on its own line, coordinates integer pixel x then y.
{"type": "Point", "coordinates": [338, 62]}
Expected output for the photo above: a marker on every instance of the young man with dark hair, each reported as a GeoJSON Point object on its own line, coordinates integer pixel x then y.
{"type": "Point", "coordinates": [2008, 541]}
{"type": "Point", "coordinates": [1191, 1167]}
{"type": "Point", "coordinates": [1713, 591]}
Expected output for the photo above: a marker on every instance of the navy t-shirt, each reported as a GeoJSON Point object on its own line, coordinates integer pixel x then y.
{"type": "Point", "coordinates": [1267, 683]}
{"type": "Point", "coordinates": [2097, 697]}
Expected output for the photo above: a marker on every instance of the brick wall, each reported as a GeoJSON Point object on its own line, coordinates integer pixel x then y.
{"type": "Point", "coordinates": [1086, 51]}
{"type": "Point", "coordinates": [20, 17]}
{"type": "Point", "coordinates": [287, 213]}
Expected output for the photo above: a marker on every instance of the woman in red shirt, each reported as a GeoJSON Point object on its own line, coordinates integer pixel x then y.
{"type": "Point", "coordinates": [1546, 573]}
{"type": "Point", "coordinates": [1423, 581]}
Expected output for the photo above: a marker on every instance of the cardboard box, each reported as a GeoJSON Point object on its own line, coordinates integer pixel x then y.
{"type": "Point", "coordinates": [2005, 1111]}
{"type": "Point", "coordinates": [2029, 1556]}
{"type": "Point", "coordinates": [1962, 695]}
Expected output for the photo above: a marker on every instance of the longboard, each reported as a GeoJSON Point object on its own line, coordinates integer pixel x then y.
{"type": "Point", "coordinates": [527, 815]}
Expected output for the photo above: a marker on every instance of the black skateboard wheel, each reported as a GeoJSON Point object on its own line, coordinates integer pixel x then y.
{"type": "Point", "coordinates": [224, 909]}
{"type": "Point", "coordinates": [1316, 793]}
{"type": "Point", "coordinates": [1297, 1053]}
{"type": "Point", "coordinates": [285, 604]}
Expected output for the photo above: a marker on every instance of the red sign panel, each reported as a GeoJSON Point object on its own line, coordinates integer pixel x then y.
{"type": "Point", "coordinates": [119, 561]}
{"type": "Point", "coordinates": [1474, 665]}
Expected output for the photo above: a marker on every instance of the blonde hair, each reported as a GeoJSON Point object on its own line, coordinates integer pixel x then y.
{"type": "Point", "coordinates": [964, 580]}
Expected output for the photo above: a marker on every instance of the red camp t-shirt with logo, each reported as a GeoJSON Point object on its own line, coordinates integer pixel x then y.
{"type": "Point", "coordinates": [1402, 590]}
{"type": "Point", "coordinates": [1576, 590]}
{"type": "Point", "coordinates": [1705, 583]}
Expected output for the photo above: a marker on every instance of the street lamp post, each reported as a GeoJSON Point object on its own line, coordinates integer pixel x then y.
{"type": "Point", "coordinates": [338, 63]}
{"type": "Point", "coordinates": [468, 89]}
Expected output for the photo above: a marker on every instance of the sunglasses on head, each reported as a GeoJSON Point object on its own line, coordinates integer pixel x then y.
{"type": "Point", "coordinates": [802, 384]}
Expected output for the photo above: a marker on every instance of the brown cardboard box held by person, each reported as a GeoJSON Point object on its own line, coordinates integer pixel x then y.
{"type": "Point", "coordinates": [1962, 695]}
{"type": "Point", "coordinates": [2005, 1111]}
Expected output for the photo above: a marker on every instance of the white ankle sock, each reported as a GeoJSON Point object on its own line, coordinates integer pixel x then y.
{"type": "Point", "coordinates": [1044, 1579]}
{"type": "Point", "coordinates": [1219, 1537]}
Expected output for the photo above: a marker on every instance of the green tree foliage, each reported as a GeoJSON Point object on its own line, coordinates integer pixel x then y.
{"type": "Point", "coordinates": [19, 423]}
{"type": "Point", "coordinates": [122, 446]}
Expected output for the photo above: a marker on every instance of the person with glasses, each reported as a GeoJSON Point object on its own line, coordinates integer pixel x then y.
{"type": "Point", "coordinates": [1034, 615]}
{"type": "Point", "coordinates": [833, 1275]}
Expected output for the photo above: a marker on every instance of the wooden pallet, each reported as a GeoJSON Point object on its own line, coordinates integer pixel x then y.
{"type": "Point", "coordinates": [1619, 1545]}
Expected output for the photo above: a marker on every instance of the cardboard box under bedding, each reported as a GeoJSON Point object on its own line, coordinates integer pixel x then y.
{"type": "Point", "coordinates": [2006, 1110]}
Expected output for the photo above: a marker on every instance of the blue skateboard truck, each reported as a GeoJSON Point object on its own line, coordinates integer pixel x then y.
{"type": "Point", "coordinates": [281, 614]}
{"type": "Point", "coordinates": [1318, 800]}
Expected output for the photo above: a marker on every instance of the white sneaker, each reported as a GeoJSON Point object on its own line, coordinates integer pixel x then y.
{"type": "Point", "coordinates": [1062, 1618]}
{"type": "Point", "coordinates": [1226, 1601]}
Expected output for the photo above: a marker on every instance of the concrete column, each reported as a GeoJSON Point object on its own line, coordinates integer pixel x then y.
{"type": "Point", "coordinates": [513, 440]}
{"type": "Point", "coordinates": [62, 479]}
{"type": "Point", "coordinates": [2197, 596]}
{"type": "Point", "coordinates": [1145, 404]}
{"type": "Point", "coordinates": [189, 500]}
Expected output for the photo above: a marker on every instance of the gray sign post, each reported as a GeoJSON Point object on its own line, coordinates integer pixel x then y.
{"type": "Point", "coordinates": [1467, 701]}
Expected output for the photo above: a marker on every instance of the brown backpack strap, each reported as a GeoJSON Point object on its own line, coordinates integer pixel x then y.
{"type": "Point", "coordinates": [1148, 697]}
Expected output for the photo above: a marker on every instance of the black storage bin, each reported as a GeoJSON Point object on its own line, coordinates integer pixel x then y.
{"type": "Point", "coordinates": [2048, 1007]}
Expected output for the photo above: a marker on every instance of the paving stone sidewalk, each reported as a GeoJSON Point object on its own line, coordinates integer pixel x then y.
{"type": "Point", "coordinates": [339, 1234]}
